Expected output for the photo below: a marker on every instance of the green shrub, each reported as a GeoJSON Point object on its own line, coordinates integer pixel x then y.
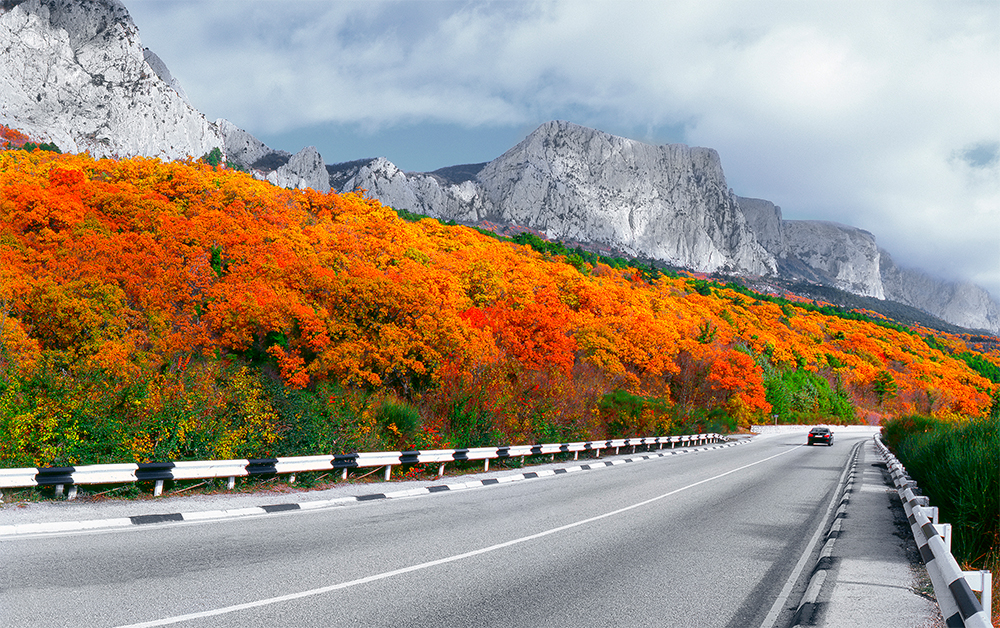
{"type": "Point", "coordinates": [213, 157]}
{"type": "Point", "coordinates": [47, 146]}
{"type": "Point", "coordinates": [469, 426]}
{"type": "Point", "coordinates": [316, 423]}
{"type": "Point", "coordinates": [957, 465]}
{"type": "Point", "coordinates": [626, 414]}
{"type": "Point", "coordinates": [398, 423]}
{"type": "Point", "coordinates": [801, 396]}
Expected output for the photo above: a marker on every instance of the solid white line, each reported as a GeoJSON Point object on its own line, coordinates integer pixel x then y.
{"type": "Point", "coordinates": [441, 561]}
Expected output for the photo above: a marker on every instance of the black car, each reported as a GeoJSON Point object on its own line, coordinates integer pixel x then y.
{"type": "Point", "coordinates": [820, 435]}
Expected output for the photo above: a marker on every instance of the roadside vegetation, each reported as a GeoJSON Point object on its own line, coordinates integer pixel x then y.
{"type": "Point", "coordinates": [165, 311]}
{"type": "Point", "coordinates": [957, 466]}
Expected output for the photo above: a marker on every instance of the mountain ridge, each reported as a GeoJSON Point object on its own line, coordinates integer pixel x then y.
{"type": "Point", "coordinates": [819, 252]}
{"type": "Point", "coordinates": [77, 75]}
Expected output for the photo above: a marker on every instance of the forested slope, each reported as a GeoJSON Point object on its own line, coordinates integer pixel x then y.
{"type": "Point", "coordinates": [153, 310]}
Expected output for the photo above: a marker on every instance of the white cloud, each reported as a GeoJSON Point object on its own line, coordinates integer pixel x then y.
{"type": "Point", "coordinates": [858, 112]}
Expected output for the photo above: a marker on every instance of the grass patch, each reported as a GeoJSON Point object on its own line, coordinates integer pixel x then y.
{"type": "Point", "coordinates": [957, 465]}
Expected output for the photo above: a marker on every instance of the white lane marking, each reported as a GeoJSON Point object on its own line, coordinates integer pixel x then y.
{"type": "Point", "coordinates": [434, 563]}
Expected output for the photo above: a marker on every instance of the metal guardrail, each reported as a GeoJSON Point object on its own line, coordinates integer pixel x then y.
{"type": "Point", "coordinates": [159, 472]}
{"type": "Point", "coordinates": [953, 587]}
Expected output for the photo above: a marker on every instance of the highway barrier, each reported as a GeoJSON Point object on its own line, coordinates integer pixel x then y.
{"type": "Point", "coordinates": [159, 472]}
{"type": "Point", "coordinates": [953, 587]}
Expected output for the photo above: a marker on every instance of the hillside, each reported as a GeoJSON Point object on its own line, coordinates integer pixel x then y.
{"type": "Point", "coordinates": [668, 203]}
{"type": "Point", "coordinates": [153, 310]}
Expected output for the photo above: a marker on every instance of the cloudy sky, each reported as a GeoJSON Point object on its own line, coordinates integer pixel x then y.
{"type": "Point", "coordinates": [882, 115]}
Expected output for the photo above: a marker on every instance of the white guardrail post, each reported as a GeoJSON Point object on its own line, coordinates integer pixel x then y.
{"type": "Point", "coordinates": [953, 587]}
{"type": "Point", "coordinates": [159, 472]}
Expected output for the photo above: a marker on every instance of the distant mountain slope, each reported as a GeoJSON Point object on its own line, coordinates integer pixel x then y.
{"type": "Point", "coordinates": [669, 203]}
{"type": "Point", "coordinates": [962, 303]}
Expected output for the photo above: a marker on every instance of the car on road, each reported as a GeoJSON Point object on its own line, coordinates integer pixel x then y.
{"type": "Point", "coordinates": [821, 435]}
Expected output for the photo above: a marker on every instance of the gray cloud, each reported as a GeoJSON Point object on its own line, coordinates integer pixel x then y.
{"type": "Point", "coordinates": [882, 115]}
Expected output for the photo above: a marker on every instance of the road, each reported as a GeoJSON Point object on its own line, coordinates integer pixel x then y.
{"type": "Point", "coordinates": [708, 539]}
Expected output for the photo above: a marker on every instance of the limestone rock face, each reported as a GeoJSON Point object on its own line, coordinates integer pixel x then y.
{"type": "Point", "coordinates": [158, 66]}
{"type": "Point", "coordinates": [669, 203]}
{"type": "Point", "coordinates": [76, 74]}
{"type": "Point", "coordinates": [959, 303]}
{"type": "Point", "coordinates": [847, 257]}
{"type": "Point", "coordinates": [764, 219]}
{"type": "Point", "coordinates": [422, 193]}
{"type": "Point", "coordinates": [305, 169]}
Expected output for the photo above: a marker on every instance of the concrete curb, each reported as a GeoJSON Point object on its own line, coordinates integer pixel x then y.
{"type": "Point", "coordinates": [804, 614]}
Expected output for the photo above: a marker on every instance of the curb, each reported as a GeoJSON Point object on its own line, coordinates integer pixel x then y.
{"type": "Point", "coordinates": [806, 611]}
{"type": "Point", "coordinates": [140, 520]}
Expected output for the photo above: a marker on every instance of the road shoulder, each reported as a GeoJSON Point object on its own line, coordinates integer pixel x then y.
{"type": "Point", "coordinates": [874, 578]}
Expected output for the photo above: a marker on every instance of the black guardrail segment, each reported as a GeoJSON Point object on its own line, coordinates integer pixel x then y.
{"type": "Point", "coordinates": [968, 605]}
{"type": "Point", "coordinates": [262, 466]}
{"type": "Point", "coordinates": [154, 471]}
{"type": "Point", "coordinates": [51, 476]}
{"type": "Point", "coordinates": [345, 461]}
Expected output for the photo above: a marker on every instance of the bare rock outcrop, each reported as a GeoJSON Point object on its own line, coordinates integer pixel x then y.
{"type": "Point", "coordinates": [846, 257]}
{"type": "Point", "coordinates": [305, 169]}
{"type": "Point", "coordinates": [669, 203]}
{"type": "Point", "coordinates": [422, 193]}
{"type": "Point", "coordinates": [764, 219]}
{"type": "Point", "coordinates": [960, 303]}
{"type": "Point", "coordinates": [76, 74]}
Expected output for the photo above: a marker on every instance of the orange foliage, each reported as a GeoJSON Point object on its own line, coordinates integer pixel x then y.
{"type": "Point", "coordinates": [12, 136]}
{"type": "Point", "coordinates": [130, 265]}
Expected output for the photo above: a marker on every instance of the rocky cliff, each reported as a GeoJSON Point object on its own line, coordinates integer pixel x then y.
{"type": "Point", "coordinates": [76, 74]}
{"type": "Point", "coordinates": [669, 202]}
{"type": "Point", "coordinates": [840, 256]}
{"type": "Point", "coordinates": [848, 258]}
{"type": "Point", "coordinates": [959, 303]}
{"type": "Point", "coordinates": [305, 169]}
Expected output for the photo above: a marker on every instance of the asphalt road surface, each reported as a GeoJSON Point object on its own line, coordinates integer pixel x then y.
{"type": "Point", "coordinates": [709, 539]}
